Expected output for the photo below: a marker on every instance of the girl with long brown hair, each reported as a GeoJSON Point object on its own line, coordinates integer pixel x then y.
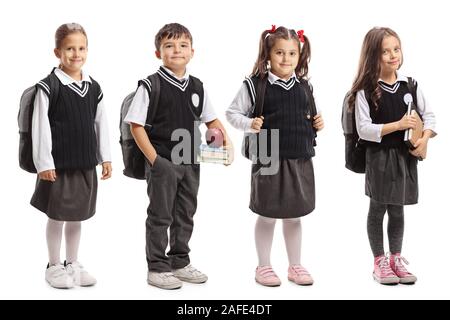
{"type": "Point", "coordinates": [380, 96]}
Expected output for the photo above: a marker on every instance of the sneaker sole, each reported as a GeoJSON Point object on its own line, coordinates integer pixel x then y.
{"type": "Point", "coordinates": [195, 281]}
{"type": "Point", "coordinates": [166, 287]}
{"type": "Point", "coordinates": [305, 284]}
{"type": "Point", "coordinates": [88, 285]}
{"type": "Point", "coordinates": [408, 280]}
{"type": "Point", "coordinates": [269, 285]}
{"type": "Point", "coordinates": [389, 281]}
{"type": "Point", "coordinates": [62, 288]}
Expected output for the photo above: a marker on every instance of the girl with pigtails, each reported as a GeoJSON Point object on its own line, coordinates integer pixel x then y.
{"type": "Point", "coordinates": [288, 108]}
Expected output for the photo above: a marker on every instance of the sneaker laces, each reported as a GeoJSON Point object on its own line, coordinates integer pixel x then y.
{"type": "Point", "coordinates": [59, 272]}
{"type": "Point", "coordinates": [166, 275]}
{"type": "Point", "coordinates": [399, 265]}
{"type": "Point", "coordinates": [384, 266]}
{"type": "Point", "coordinates": [193, 270]}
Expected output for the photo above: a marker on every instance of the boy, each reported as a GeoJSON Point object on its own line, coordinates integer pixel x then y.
{"type": "Point", "coordinates": [172, 176]}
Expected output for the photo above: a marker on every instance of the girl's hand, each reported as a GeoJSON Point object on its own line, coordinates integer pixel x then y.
{"type": "Point", "coordinates": [318, 123]}
{"type": "Point", "coordinates": [106, 170]}
{"type": "Point", "coordinates": [407, 122]}
{"type": "Point", "coordinates": [257, 123]}
{"type": "Point", "coordinates": [420, 150]}
{"type": "Point", "coordinates": [48, 175]}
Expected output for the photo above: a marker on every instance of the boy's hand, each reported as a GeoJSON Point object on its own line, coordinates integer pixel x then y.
{"type": "Point", "coordinates": [230, 149]}
{"type": "Point", "coordinates": [420, 150]}
{"type": "Point", "coordinates": [318, 123]}
{"type": "Point", "coordinates": [152, 159]}
{"type": "Point", "coordinates": [257, 123]}
{"type": "Point", "coordinates": [48, 175]}
{"type": "Point", "coordinates": [106, 170]}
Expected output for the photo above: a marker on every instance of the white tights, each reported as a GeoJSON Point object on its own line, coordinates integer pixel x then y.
{"type": "Point", "coordinates": [72, 232]}
{"type": "Point", "coordinates": [292, 231]}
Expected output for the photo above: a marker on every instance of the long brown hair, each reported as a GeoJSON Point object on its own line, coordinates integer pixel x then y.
{"type": "Point", "coordinates": [66, 29]}
{"type": "Point", "coordinates": [267, 41]}
{"type": "Point", "coordinates": [369, 65]}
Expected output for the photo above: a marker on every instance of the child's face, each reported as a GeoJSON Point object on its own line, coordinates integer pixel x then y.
{"type": "Point", "coordinates": [73, 52]}
{"type": "Point", "coordinates": [284, 57]}
{"type": "Point", "coordinates": [391, 55]}
{"type": "Point", "coordinates": [175, 53]}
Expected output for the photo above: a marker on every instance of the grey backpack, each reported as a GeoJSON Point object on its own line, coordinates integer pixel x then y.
{"type": "Point", "coordinates": [24, 120]}
{"type": "Point", "coordinates": [133, 158]}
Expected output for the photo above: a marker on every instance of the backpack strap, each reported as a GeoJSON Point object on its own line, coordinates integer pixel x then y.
{"type": "Point", "coordinates": [310, 98]}
{"type": "Point", "coordinates": [153, 86]}
{"type": "Point", "coordinates": [311, 104]}
{"type": "Point", "coordinates": [260, 94]}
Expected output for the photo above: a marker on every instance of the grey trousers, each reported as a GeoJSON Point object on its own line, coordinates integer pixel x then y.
{"type": "Point", "coordinates": [172, 190]}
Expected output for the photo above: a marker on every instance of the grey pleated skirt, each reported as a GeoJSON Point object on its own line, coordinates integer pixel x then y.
{"type": "Point", "coordinates": [391, 176]}
{"type": "Point", "coordinates": [72, 197]}
{"type": "Point", "coordinates": [290, 193]}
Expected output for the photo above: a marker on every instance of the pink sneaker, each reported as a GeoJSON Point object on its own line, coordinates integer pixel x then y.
{"type": "Point", "coordinates": [299, 275]}
{"type": "Point", "coordinates": [267, 277]}
{"type": "Point", "coordinates": [397, 266]}
{"type": "Point", "coordinates": [383, 273]}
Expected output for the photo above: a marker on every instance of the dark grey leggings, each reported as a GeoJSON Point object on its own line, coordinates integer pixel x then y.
{"type": "Point", "coordinates": [396, 224]}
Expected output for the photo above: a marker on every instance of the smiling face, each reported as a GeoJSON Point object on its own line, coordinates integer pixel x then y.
{"type": "Point", "coordinates": [284, 57]}
{"type": "Point", "coordinates": [72, 53]}
{"type": "Point", "coordinates": [391, 55]}
{"type": "Point", "coordinates": [175, 53]}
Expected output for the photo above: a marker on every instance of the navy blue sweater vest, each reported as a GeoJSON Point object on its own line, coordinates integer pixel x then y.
{"type": "Point", "coordinates": [72, 122]}
{"type": "Point", "coordinates": [177, 109]}
{"type": "Point", "coordinates": [391, 108]}
{"type": "Point", "coordinates": [288, 111]}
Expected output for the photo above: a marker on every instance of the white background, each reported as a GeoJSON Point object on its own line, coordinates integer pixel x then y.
{"type": "Point", "coordinates": [226, 35]}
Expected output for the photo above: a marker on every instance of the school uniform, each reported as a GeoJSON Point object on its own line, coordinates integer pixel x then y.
{"type": "Point", "coordinates": [172, 188]}
{"type": "Point", "coordinates": [391, 171]}
{"type": "Point", "coordinates": [290, 193]}
{"type": "Point", "coordinates": [70, 136]}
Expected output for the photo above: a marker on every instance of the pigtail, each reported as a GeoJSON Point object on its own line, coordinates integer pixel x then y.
{"type": "Point", "coordinates": [305, 56]}
{"type": "Point", "coordinates": [260, 68]}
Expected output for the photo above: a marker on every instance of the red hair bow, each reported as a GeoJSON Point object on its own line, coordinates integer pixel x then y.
{"type": "Point", "coordinates": [300, 35]}
{"type": "Point", "coordinates": [273, 29]}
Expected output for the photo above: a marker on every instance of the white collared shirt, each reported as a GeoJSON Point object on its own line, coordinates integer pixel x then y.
{"type": "Point", "coordinates": [239, 112]}
{"type": "Point", "coordinates": [372, 132]}
{"type": "Point", "coordinates": [41, 131]}
{"type": "Point", "coordinates": [137, 113]}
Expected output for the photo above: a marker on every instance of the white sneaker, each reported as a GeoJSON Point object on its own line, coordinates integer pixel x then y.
{"type": "Point", "coordinates": [57, 276]}
{"type": "Point", "coordinates": [163, 280]}
{"type": "Point", "coordinates": [80, 276]}
{"type": "Point", "coordinates": [190, 274]}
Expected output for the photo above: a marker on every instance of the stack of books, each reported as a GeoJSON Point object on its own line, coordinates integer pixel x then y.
{"type": "Point", "coordinates": [213, 155]}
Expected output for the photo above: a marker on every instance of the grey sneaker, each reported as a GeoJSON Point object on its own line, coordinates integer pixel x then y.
{"type": "Point", "coordinates": [163, 280]}
{"type": "Point", "coordinates": [190, 274]}
{"type": "Point", "coordinates": [80, 276]}
{"type": "Point", "coordinates": [57, 276]}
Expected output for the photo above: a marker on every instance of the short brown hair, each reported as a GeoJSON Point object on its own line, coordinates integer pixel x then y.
{"type": "Point", "coordinates": [172, 30]}
{"type": "Point", "coordinates": [66, 29]}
